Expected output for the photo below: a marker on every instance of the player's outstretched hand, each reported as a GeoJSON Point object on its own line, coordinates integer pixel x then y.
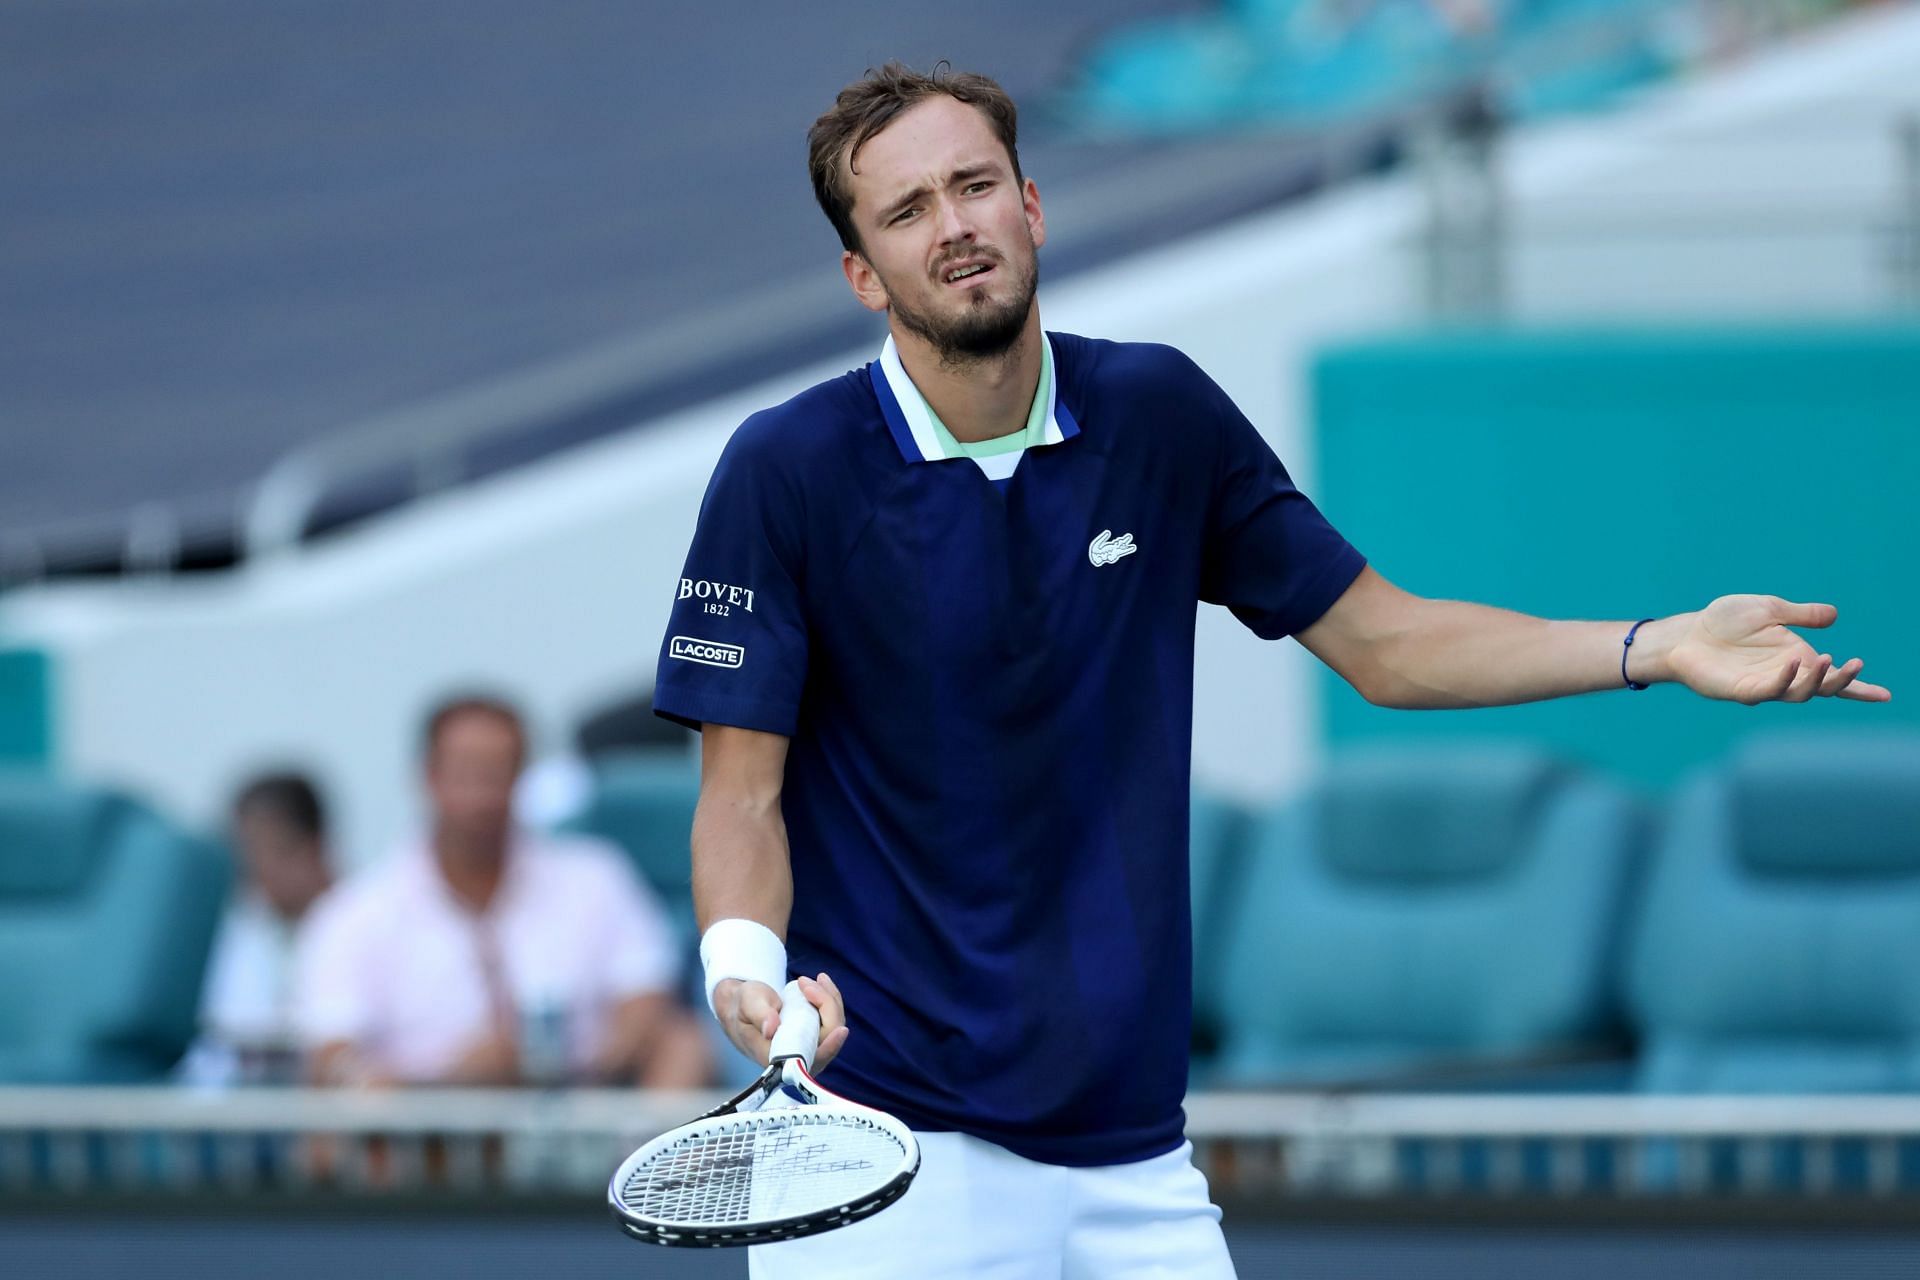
{"type": "Point", "coordinates": [750, 1014]}
{"type": "Point", "coordinates": [1740, 648]}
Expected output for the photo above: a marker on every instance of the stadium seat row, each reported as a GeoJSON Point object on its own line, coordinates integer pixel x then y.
{"type": "Point", "coordinates": [1306, 63]}
{"type": "Point", "coordinates": [1494, 918]}
{"type": "Point", "coordinates": [1454, 917]}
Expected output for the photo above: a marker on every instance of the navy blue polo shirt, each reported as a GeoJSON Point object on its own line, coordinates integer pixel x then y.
{"type": "Point", "coordinates": [989, 692]}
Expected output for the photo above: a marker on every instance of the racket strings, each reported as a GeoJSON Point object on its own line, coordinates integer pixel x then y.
{"type": "Point", "coordinates": [761, 1168]}
{"type": "Point", "coordinates": [703, 1179]}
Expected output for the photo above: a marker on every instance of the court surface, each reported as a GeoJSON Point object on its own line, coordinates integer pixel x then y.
{"type": "Point", "coordinates": [202, 1246]}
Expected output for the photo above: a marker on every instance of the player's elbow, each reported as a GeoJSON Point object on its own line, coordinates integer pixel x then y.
{"type": "Point", "coordinates": [1377, 686]}
{"type": "Point", "coordinates": [1381, 672]}
{"type": "Point", "coordinates": [1363, 664]}
{"type": "Point", "coordinates": [1367, 637]}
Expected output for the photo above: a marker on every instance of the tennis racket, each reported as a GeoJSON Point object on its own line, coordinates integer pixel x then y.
{"type": "Point", "coordinates": [781, 1159]}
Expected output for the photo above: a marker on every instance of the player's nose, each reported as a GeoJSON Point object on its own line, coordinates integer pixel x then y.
{"type": "Point", "coordinates": [954, 224]}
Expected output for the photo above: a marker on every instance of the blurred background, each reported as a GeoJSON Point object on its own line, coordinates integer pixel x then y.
{"type": "Point", "coordinates": [361, 369]}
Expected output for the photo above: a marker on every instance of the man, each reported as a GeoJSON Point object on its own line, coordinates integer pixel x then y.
{"type": "Point", "coordinates": [937, 622]}
{"type": "Point", "coordinates": [488, 955]}
{"type": "Point", "coordinates": [278, 835]}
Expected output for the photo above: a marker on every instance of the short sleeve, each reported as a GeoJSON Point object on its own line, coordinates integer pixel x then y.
{"type": "Point", "coordinates": [332, 999]}
{"type": "Point", "coordinates": [735, 651]}
{"type": "Point", "coordinates": [641, 954]}
{"type": "Point", "coordinates": [1270, 556]}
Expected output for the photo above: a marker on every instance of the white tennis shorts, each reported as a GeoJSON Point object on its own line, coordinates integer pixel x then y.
{"type": "Point", "coordinates": [979, 1212]}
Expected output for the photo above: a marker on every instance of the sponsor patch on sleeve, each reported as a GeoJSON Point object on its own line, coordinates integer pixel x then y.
{"type": "Point", "coordinates": [710, 652]}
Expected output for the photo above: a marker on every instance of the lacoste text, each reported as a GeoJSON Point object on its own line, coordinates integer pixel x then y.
{"type": "Point", "coordinates": [714, 654]}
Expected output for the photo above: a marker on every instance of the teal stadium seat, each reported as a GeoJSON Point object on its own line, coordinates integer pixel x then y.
{"type": "Point", "coordinates": [1421, 910]}
{"type": "Point", "coordinates": [1779, 947]}
{"type": "Point", "coordinates": [107, 916]}
{"type": "Point", "coordinates": [26, 708]}
{"type": "Point", "coordinates": [643, 802]}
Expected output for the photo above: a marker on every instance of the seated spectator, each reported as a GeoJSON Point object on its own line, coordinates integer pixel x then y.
{"type": "Point", "coordinates": [278, 836]}
{"type": "Point", "coordinates": [485, 954]}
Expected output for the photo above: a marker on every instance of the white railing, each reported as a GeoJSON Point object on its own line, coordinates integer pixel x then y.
{"type": "Point", "coordinates": [1559, 1145]}
{"type": "Point", "coordinates": [84, 1140]}
{"type": "Point", "coordinates": [1269, 1144]}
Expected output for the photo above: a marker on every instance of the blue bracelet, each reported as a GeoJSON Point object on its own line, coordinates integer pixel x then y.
{"type": "Point", "coordinates": [1625, 646]}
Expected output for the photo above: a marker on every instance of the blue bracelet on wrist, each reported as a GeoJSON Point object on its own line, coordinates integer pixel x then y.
{"type": "Point", "coordinates": [1626, 647]}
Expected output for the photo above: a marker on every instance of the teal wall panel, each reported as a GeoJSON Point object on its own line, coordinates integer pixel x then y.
{"type": "Point", "coordinates": [26, 707]}
{"type": "Point", "coordinates": [1633, 473]}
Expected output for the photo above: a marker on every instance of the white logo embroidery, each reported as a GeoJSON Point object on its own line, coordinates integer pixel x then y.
{"type": "Point", "coordinates": [719, 592]}
{"type": "Point", "coordinates": [711, 652]}
{"type": "Point", "coordinates": [1106, 548]}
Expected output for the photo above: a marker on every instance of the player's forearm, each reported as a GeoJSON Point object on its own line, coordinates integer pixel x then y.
{"type": "Point", "coordinates": [740, 867]}
{"type": "Point", "coordinates": [1452, 654]}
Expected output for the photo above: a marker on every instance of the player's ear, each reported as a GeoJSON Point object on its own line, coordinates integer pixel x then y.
{"type": "Point", "coordinates": [864, 281]}
{"type": "Point", "coordinates": [1036, 218]}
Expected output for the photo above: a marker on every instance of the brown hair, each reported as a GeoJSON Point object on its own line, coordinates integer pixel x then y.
{"type": "Point", "coordinates": [869, 105]}
{"type": "Point", "coordinates": [449, 709]}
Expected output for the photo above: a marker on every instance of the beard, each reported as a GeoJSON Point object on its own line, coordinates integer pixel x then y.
{"type": "Point", "coordinates": [982, 329]}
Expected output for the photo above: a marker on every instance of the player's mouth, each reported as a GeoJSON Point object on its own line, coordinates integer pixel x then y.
{"type": "Point", "coordinates": [966, 273]}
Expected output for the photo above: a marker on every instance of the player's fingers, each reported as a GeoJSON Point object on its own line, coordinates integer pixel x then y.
{"type": "Point", "coordinates": [833, 1011]}
{"type": "Point", "coordinates": [750, 1013]}
{"type": "Point", "coordinates": [749, 1040]}
{"type": "Point", "coordinates": [1807, 683]}
{"type": "Point", "coordinates": [1783, 681]}
{"type": "Point", "coordinates": [1805, 615]}
{"type": "Point", "coordinates": [1817, 678]}
{"type": "Point", "coordinates": [1840, 677]}
{"type": "Point", "coordinates": [829, 1048]}
{"type": "Point", "coordinates": [826, 996]}
{"type": "Point", "coordinates": [1861, 691]}
{"type": "Point", "coordinates": [760, 1007]}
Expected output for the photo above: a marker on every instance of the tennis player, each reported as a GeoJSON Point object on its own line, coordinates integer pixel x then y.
{"type": "Point", "coordinates": [937, 623]}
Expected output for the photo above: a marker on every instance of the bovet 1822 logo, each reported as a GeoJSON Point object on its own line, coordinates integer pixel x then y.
{"type": "Point", "coordinates": [711, 652]}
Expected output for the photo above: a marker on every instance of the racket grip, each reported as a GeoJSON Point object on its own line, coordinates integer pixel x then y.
{"type": "Point", "coordinates": [799, 1032]}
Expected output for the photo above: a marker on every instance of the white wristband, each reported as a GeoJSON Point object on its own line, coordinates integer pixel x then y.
{"type": "Point", "coordinates": [744, 949]}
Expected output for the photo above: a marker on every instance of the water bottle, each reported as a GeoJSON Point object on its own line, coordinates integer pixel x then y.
{"type": "Point", "coordinates": [545, 1043]}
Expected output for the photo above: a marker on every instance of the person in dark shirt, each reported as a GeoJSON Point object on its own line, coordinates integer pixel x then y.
{"type": "Point", "coordinates": [937, 625]}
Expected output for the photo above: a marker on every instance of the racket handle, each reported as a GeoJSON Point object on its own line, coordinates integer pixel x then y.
{"type": "Point", "coordinates": [799, 1032]}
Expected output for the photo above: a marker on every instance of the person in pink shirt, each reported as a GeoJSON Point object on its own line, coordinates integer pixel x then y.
{"type": "Point", "coordinates": [481, 953]}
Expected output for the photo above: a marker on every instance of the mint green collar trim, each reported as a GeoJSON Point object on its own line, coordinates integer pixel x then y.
{"type": "Point", "coordinates": [937, 443]}
{"type": "Point", "coordinates": [1033, 434]}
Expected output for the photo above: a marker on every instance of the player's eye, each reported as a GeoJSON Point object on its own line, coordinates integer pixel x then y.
{"type": "Point", "coordinates": [978, 186]}
{"type": "Point", "coordinates": [904, 214]}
